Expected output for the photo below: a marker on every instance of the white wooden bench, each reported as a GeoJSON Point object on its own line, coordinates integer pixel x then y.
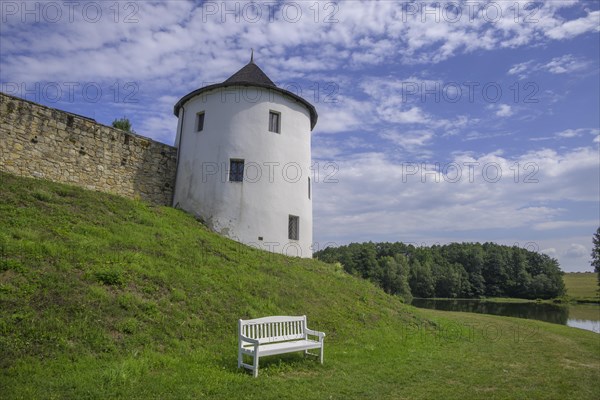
{"type": "Point", "coordinates": [275, 335]}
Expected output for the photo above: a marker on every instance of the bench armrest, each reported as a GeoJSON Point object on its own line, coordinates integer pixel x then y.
{"type": "Point", "coordinates": [247, 339]}
{"type": "Point", "coordinates": [321, 335]}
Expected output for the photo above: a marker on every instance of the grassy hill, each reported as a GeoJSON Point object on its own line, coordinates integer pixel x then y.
{"type": "Point", "coordinates": [103, 297]}
{"type": "Point", "coordinates": [582, 286]}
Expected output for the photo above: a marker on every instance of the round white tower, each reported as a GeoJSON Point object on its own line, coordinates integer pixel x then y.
{"type": "Point", "coordinates": [244, 161]}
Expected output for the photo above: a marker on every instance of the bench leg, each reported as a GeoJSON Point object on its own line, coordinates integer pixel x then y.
{"type": "Point", "coordinates": [255, 369]}
{"type": "Point", "coordinates": [240, 359]}
{"type": "Point", "coordinates": [321, 355]}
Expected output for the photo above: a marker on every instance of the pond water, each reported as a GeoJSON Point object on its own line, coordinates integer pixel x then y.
{"type": "Point", "coordinates": [583, 316]}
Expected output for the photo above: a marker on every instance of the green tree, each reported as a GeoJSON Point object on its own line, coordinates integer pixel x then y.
{"type": "Point", "coordinates": [471, 258]}
{"type": "Point", "coordinates": [520, 281]}
{"type": "Point", "coordinates": [394, 278]}
{"type": "Point", "coordinates": [123, 124]}
{"type": "Point", "coordinates": [596, 254]}
{"type": "Point", "coordinates": [495, 269]}
{"type": "Point", "coordinates": [463, 270]}
{"type": "Point", "coordinates": [365, 263]}
{"type": "Point", "coordinates": [420, 279]}
{"type": "Point", "coordinates": [447, 278]}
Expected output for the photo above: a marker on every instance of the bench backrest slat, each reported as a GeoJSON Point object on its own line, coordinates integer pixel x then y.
{"type": "Point", "coordinates": [274, 329]}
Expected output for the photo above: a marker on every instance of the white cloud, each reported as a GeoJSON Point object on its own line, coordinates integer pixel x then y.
{"type": "Point", "coordinates": [410, 141]}
{"type": "Point", "coordinates": [564, 245]}
{"type": "Point", "coordinates": [572, 175]}
{"type": "Point", "coordinates": [522, 69]}
{"type": "Point", "coordinates": [572, 133]}
{"type": "Point", "coordinates": [159, 127]}
{"type": "Point", "coordinates": [412, 115]}
{"type": "Point", "coordinates": [345, 114]}
{"type": "Point", "coordinates": [576, 250]}
{"type": "Point", "coordinates": [551, 251]}
{"type": "Point", "coordinates": [564, 64]}
{"type": "Point", "coordinates": [488, 192]}
{"type": "Point", "coordinates": [559, 65]}
{"type": "Point", "coordinates": [569, 133]}
{"type": "Point", "coordinates": [543, 226]}
{"type": "Point", "coordinates": [569, 29]}
{"type": "Point", "coordinates": [175, 37]}
{"type": "Point", "coordinates": [402, 101]}
{"type": "Point", "coordinates": [476, 135]}
{"type": "Point", "coordinates": [504, 110]}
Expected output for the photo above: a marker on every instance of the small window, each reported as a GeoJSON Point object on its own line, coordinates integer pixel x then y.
{"type": "Point", "coordinates": [293, 227]}
{"type": "Point", "coordinates": [236, 170]}
{"type": "Point", "coordinates": [309, 187]}
{"type": "Point", "coordinates": [200, 121]}
{"type": "Point", "coordinates": [274, 121]}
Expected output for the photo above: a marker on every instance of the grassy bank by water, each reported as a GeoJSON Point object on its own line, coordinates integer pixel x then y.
{"type": "Point", "coordinates": [103, 297]}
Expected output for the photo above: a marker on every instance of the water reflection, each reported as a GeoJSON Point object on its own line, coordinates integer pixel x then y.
{"type": "Point", "coordinates": [586, 324]}
{"type": "Point", "coordinates": [557, 314]}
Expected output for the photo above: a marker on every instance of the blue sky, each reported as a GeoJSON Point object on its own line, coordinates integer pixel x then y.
{"type": "Point", "coordinates": [461, 121]}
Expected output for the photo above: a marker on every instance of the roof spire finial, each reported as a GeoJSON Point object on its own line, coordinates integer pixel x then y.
{"type": "Point", "coordinates": [252, 55]}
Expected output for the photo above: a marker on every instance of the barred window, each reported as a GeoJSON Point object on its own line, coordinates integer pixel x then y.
{"type": "Point", "coordinates": [293, 227]}
{"type": "Point", "coordinates": [274, 121]}
{"type": "Point", "coordinates": [236, 170]}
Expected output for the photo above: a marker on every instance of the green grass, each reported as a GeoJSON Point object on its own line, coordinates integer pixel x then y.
{"type": "Point", "coordinates": [103, 298]}
{"type": "Point", "coordinates": [582, 286]}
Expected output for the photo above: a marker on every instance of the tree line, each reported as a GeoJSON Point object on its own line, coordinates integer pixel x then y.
{"type": "Point", "coordinates": [456, 270]}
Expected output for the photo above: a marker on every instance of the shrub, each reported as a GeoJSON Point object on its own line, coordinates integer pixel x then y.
{"type": "Point", "coordinates": [110, 277]}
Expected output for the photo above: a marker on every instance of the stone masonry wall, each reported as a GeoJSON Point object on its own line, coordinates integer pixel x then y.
{"type": "Point", "coordinates": [38, 141]}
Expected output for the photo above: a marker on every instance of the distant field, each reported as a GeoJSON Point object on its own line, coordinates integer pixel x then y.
{"type": "Point", "coordinates": [581, 285]}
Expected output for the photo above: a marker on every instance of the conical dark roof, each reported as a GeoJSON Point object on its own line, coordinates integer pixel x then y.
{"type": "Point", "coordinates": [250, 74]}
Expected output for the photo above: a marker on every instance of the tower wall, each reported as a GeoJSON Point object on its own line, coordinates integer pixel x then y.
{"type": "Point", "coordinates": [276, 167]}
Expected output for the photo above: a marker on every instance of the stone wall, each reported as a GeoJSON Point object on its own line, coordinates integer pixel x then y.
{"type": "Point", "coordinates": [43, 142]}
